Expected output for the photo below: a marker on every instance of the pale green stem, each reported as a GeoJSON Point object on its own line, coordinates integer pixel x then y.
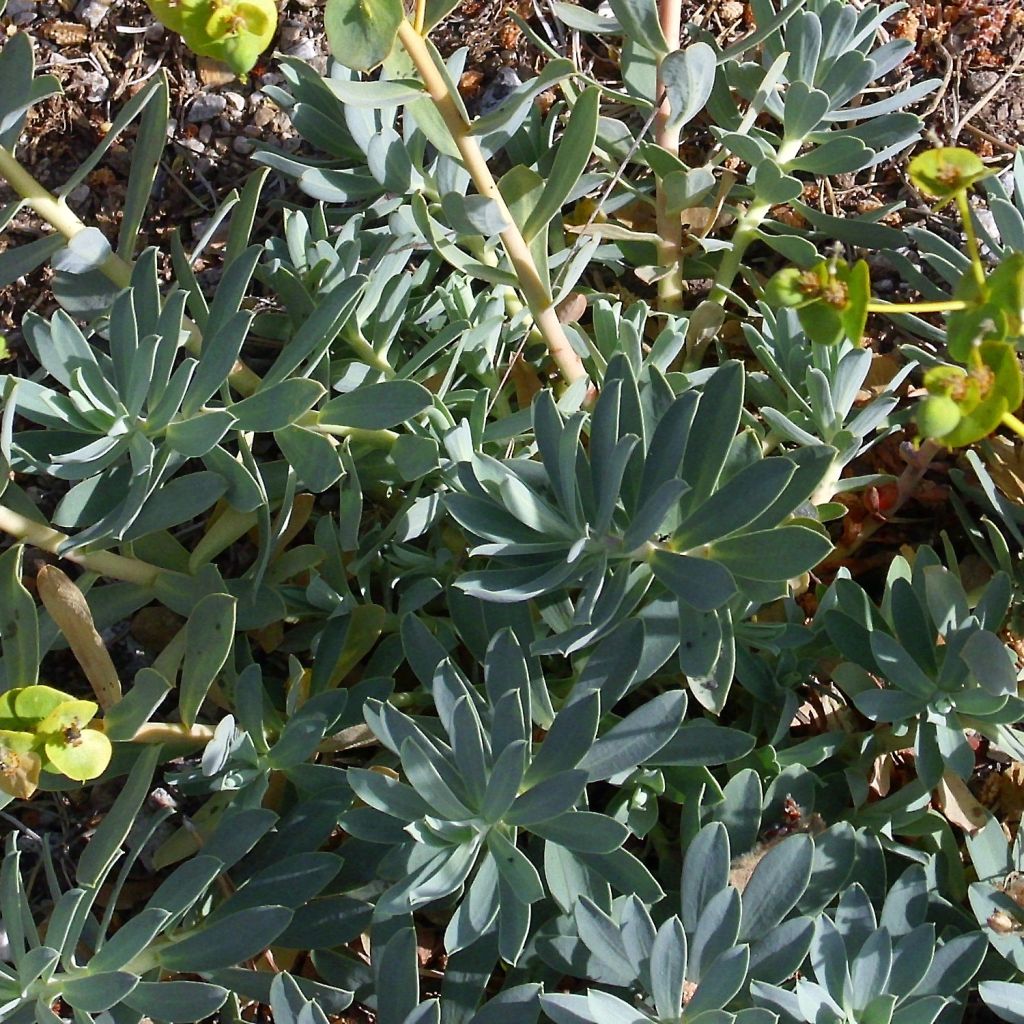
{"type": "Point", "coordinates": [55, 211]}
{"type": "Point", "coordinates": [972, 239]}
{"type": "Point", "coordinates": [104, 563]}
{"type": "Point", "coordinates": [1011, 421]}
{"type": "Point", "coordinates": [666, 135]}
{"type": "Point", "coordinates": [377, 438]}
{"type": "Point", "coordinates": [353, 337]}
{"type": "Point", "coordinates": [745, 233]}
{"type": "Point", "coordinates": [747, 230]}
{"type": "Point", "coordinates": [161, 732]}
{"type": "Point", "coordinates": [939, 306]}
{"type": "Point", "coordinates": [569, 364]}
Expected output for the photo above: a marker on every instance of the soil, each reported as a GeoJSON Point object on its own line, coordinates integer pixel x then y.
{"type": "Point", "coordinates": [103, 52]}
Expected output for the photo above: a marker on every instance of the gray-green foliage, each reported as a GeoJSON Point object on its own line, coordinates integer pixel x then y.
{"type": "Point", "coordinates": [476, 662]}
{"type": "Point", "coordinates": [946, 669]}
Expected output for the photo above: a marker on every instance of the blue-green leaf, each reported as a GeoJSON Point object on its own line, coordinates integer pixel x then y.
{"type": "Point", "coordinates": [377, 406]}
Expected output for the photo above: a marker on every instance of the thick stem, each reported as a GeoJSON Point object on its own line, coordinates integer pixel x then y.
{"type": "Point", "coordinates": [939, 306]}
{"type": "Point", "coordinates": [745, 233]}
{"type": "Point", "coordinates": [1011, 421]}
{"type": "Point", "coordinates": [670, 227]}
{"type": "Point", "coordinates": [61, 218]}
{"type": "Point", "coordinates": [747, 229]}
{"type": "Point", "coordinates": [377, 438]}
{"type": "Point", "coordinates": [160, 732]}
{"type": "Point", "coordinates": [534, 290]}
{"type": "Point", "coordinates": [56, 213]}
{"type": "Point", "coordinates": [105, 563]}
{"type": "Point", "coordinates": [972, 239]}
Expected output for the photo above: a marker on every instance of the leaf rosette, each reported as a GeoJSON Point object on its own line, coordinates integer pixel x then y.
{"type": "Point", "coordinates": [651, 500]}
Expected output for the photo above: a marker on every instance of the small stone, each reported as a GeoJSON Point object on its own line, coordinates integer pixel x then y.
{"type": "Point", "coordinates": [291, 33]}
{"type": "Point", "coordinates": [161, 799]}
{"type": "Point", "coordinates": [154, 32]}
{"type": "Point", "coordinates": [304, 49]}
{"type": "Point", "coordinates": [504, 83]}
{"type": "Point", "coordinates": [236, 101]}
{"type": "Point", "coordinates": [263, 116]}
{"type": "Point", "coordinates": [242, 146]}
{"type": "Point", "coordinates": [79, 194]}
{"type": "Point", "coordinates": [979, 82]}
{"type": "Point", "coordinates": [988, 225]}
{"type": "Point", "coordinates": [215, 73]}
{"type": "Point", "coordinates": [206, 106]}
{"type": "Point", "coordinates": [205, 134]}
{"type": "Point", "coordinates": [91, 12]}
{"type": "Point", "coordinates": [94, 85]}
{"type": "Point", "coordinates": [22, 12]}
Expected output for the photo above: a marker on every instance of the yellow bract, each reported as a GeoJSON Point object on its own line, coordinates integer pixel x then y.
{"type": "Point", "coordinates": [44, 729]}
{"type": "Point", "coordinates": [233, 31]}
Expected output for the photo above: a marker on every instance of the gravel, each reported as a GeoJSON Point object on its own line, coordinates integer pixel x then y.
{"type": "Point", "coordinates": [22, 12]}
{"type": "Point", "coordinates": [91, 12]}
{"type": "Point", "coordinates": [206, 106]}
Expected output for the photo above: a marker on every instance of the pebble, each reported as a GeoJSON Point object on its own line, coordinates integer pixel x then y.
{"type": "Point", "coordinates": [730, 11]}
{"type": "Point", "coordinates": [242, 146]}
{"type": "Point", "coordinates": [236, 101]}
{"type": "Point", "coordinates": [263, 116]}
{"type": "Point", "coordinates": [988, 224]}
{"type": "Point", "coordinates": [91, 12]}
{"type": "Point", "coordinates": [206, 106]}
{"type": "Point", "coordinates": [291, 33]}
{"type": "Point", "coordinates": [22, 12]}
{"type": "Point", "coordinates": [94, 85]}
{"type": "Point", "coordinates": [303, 49]}
{"type": "Point", "coordinates": [504, 83]}
{"type": "Point", "coordinates": [79, 194]}
{"type": "Point", "coordinates": [979, 82]}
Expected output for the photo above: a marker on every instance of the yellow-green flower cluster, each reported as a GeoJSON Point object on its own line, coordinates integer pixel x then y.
{"type": "Point", "coordinates": [233, 31]}
{"type": "Point", "coordinates": [44, 729]}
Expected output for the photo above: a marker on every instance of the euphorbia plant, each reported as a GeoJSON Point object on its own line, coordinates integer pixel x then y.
{"type": "Point", "coordinates": [965, 403]}
{"type": "Point", "coordinates": [42, 728]}
{"type": "Point", "coordinates": [233, 31]}
{"type": "Point", "coordinates": [831, 299]}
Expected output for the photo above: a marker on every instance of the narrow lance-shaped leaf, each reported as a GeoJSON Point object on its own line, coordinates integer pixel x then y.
{"type": "Point", "coordinates": [571, 160]}
{"type": "Point", "coordinates": [209, 635]}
